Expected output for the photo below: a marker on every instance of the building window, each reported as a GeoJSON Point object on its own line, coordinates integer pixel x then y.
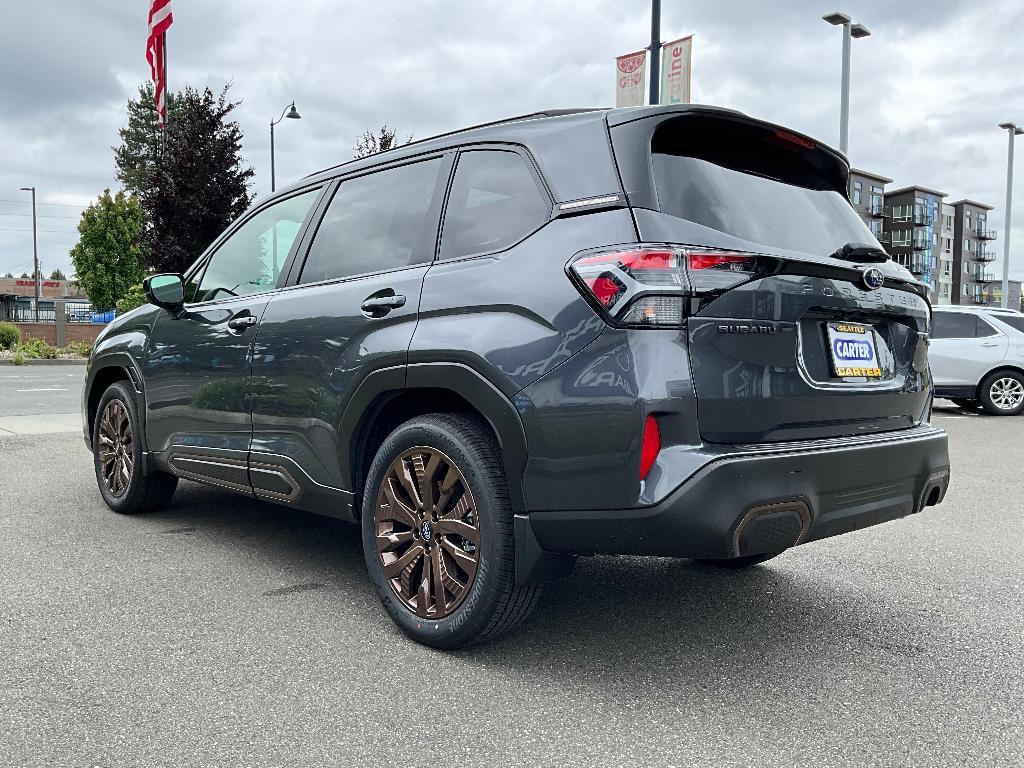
{"type": "Point", "coordinates": [901, 237]}
{"type": "Point", "coordinates": [947, 222]}
{"type": "Point", "coordinates": [902, 212]}
{"type": "Point", "coordinates": [857, 186]}
{"type": "Point", "coordinates": [947, 267]}
{"type": "Point", "coordinates": [947, 244]}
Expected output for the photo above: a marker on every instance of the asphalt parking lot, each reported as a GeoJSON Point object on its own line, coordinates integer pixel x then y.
{"type": "Point", "coordinates": [223, 631]}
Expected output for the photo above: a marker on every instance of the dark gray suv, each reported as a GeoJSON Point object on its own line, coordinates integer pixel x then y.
{"type": "Point", "coordinates": [649, 331]}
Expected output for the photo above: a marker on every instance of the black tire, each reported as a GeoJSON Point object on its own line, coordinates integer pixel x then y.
{"type": "Point", "coordinates": [965, 403]}
{"type": "Point", "coordinates": [740, 562]}
{"type": "Point", "coordinates": [492, 603]}
{"type": "Point", "coordinates": [1002, 393]}
{"type": "Point", "coordinates": [142, 493]}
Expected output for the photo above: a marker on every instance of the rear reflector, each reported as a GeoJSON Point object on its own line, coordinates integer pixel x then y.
{"type": "Point", "coordinates": [647, 287]}
{"type": "Point", "coordinates": [650, 447]}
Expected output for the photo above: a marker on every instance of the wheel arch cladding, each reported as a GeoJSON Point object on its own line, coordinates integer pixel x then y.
{"type": "Point", "coordinates": [384, 400]}
{"type": "Point", "coordinates": [100, 379]}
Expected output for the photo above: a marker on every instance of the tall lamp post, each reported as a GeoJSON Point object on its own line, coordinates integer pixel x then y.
{"type": "Point", "coordinates": [1013, 132]}
{"type": "Point", "coordinates": [655, 84]}
{"type": "Point", "coordinates": [35, 249]}
{"type": "Point", "coordinates": [290, 113]}
{"type": "Point", "coordinates": [850, 30]}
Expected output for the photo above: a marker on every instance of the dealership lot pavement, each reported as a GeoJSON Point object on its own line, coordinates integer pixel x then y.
{"type": "Point", "coordinates": [223, 631]}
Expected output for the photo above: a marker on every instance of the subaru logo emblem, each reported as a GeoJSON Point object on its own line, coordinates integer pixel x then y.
{"type": "Point", "coordinates": [425, 530]}
{"type": "Point", "coordinates": [873, 278]}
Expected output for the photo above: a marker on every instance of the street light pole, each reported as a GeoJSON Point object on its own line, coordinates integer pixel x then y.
{"type": "Point", "coordinates": [292, 114]}
{"type": "Point", "coordinates": [1013, 131]}
{"type": "Point", "coordinates": [35, 249]}
{"type": "Point", "coordinates": [655, 84]}
{"type": "Point", "coordinates": [850, 31]}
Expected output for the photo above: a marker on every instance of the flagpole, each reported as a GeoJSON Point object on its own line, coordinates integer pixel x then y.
{"type": "Point", "coordinates": [163, 49]}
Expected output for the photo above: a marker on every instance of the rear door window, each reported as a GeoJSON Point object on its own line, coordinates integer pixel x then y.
{"type": "Point", "coordinates": [375, 223]}
{"type": "Point", "coordinates": [1014, 321]}
{"type": "Point", "coordinates": [959, 325]}
{"type": "Point", "coordinates": [494, 202]}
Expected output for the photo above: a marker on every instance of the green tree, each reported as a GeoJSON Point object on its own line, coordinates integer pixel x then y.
{"type": "Point", "coordinates": [8, 275]}
{"type": "Point", "coordinates": [370, 143]}
{"type": "Point", "coordinates": [199, 184]}
{"type": "Point", "coordinates": [136, 157]}
{"type": "Point", "coordinates": [58, 275]}
{"type": "Point", "coordinates": [107, 258]}
{"type": "Point", "coordinates": [25, 276]}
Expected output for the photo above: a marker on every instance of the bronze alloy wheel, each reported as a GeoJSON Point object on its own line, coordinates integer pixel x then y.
{"type": "Point", "coordinates": [115, 446]}
{"type": "Point", "coordinates": [428, 532]}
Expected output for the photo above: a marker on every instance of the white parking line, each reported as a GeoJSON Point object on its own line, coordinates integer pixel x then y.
{"type": "Point", "coordinates": [44, 389]}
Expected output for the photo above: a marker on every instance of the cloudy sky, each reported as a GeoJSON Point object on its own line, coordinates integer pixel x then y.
{"type": "Point", "coordinates": [929, 85]}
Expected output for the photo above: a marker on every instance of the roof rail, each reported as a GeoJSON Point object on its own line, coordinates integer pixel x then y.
{"type": "Point", "coordinates": [492, 123]}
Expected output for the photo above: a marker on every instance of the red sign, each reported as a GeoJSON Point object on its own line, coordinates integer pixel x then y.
{"type": "Point", "coordinates": [45, 283]}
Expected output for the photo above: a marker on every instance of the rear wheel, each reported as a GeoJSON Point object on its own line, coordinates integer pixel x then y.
{"type": "Point", "coordinates": [117, 457]}
{"type": "Point", "coordinates": [1002, 393]}
{"type": "Point", "coordinates": [740, 562]}
{"type": "Point", "coordinates": [437, 533]}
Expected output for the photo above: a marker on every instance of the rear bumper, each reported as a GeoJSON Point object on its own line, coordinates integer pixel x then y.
{"type": "Point", "coordinates": [761, 498]}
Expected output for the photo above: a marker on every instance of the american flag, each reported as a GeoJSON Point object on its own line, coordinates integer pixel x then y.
{"type": "Point", "coordinates": [160, 19]}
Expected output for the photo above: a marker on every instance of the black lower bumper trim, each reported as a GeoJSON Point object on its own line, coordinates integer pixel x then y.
{"type": "Point", "coordinates": [751, 503]}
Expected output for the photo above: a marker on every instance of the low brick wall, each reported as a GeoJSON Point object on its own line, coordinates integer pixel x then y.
{"type": "Point", "coordinates": [86, 332]}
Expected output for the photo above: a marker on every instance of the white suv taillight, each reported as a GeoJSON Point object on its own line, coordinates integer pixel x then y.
{"type": "Point", "coordinates": [649, 287]}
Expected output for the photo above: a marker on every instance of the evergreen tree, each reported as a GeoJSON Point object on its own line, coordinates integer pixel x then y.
{"type": "Point", "coordinates": [135, 159]}
{"type": "Point", "coordinates": [198, 185]}
{"type": "Point", "coordinates": [107, 256]}
{"type": "Point", "coordinates": [58, 275]}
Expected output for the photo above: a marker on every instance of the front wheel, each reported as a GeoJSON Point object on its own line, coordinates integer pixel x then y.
{"type": "Point", "coordinates": [1002, 393]}
{"type": "Point", "coordinates": [437, 533]}
{"type": "Point", "coordinates": [117, 457]}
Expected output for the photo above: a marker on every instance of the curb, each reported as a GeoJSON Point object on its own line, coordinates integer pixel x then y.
{"type": "Point", "coordinates": [43, 361]}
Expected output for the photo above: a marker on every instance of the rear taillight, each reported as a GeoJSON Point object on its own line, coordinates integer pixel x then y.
{"type": "Point", "coordinates": [649, 287]}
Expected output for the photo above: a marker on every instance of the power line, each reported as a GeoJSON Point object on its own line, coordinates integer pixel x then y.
{"type": "Point", "coordinates": [46, 231]}
{"type": "Point", "coordinates": [41, 215]}
{"type": "Point", "coordinates": [63, 205]}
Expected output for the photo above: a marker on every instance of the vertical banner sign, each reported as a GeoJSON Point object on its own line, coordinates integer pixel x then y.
{"type": "Point", "coordinates": [629, 79]}
{"type": "Point", "coordinates": [676, 64]}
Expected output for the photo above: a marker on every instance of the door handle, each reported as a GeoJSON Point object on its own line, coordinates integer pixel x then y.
{"type": "Point", "coordinates": [241, 322]}
{"type": "Point", "coordinates": [378, 306]}
{"type": "Point", "coordinates": [990, 344]}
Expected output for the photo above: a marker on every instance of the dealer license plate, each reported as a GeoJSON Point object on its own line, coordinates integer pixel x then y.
{"type": "Point", "coordinates": [853, 352]}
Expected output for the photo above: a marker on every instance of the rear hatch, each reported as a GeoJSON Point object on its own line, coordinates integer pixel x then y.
{"type": "Point", "coordinates": [798, 325]}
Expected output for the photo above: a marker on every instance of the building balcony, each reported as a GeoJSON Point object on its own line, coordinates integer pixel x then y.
{"type": "Point", "coordinates": [878, 211]}
{"type": "Point", "coordinates": [979, 299]}
{"type": "Point", "coordinates": [917, 267]}
{"type": "Point", "coordinates": [985, 277]}
{"type": "Point", "coordinates": [923, 220]}
{"type": "Point", "coordinates": [922, 245]}
{"type": "Point", "coordinates": [984, 256]}
{"type": "Point", "coordinates": [984, 234]}
{"type": "Point", "coordinates": [883, 237]}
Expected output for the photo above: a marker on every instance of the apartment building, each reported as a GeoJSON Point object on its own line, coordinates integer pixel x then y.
{"type": "Point", "coordinates": [867, 194]}
{"type": "Point", "coordinates": [913, 227]}
{"type": "Point", "coordinates": [973, 277]}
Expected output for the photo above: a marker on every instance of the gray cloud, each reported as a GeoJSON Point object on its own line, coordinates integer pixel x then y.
{"type": "Point", "coordinates": [929, 85]}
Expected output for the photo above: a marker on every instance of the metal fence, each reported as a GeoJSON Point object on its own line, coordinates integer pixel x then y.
{"type": "Point", "coordinates": [74, 312]}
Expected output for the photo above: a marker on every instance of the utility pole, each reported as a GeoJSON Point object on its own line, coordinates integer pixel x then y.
{"type": "Point", "coordinates": [35, 249]}
{"type": "Point", "coordinates": [655, 52]}
{"type": "Point", "coordinates": [1013, 132]}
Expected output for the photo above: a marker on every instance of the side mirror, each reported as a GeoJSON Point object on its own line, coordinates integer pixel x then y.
{"type": "Point", "coordinates": [167, 291]}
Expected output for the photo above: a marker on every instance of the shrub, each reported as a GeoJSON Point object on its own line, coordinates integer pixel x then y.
{"type": "Point", "coordinates": [37, 348]}
{"type": "Point", "coordinates": [135, 297]}
{"type": "Point", "coordinates": [78, 348]}
{"type": "Point", "coordinates": [10, 335]}
{"type": "Point", "coordinates": [19, 357]}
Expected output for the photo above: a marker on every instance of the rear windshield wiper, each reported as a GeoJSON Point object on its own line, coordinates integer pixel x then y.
{"type": "Point", "coordinates": [861, 252]}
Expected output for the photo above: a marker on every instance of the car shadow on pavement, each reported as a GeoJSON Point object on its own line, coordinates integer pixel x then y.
{"type": "Point", "coordinates": [640, 620]}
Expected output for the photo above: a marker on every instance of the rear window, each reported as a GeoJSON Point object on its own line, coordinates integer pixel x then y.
{"type": "Point", "coordinates": [756, 183]}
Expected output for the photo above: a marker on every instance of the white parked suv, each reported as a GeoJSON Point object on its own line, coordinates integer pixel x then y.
{"type": "Point", "coordinates": [977, 357]}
